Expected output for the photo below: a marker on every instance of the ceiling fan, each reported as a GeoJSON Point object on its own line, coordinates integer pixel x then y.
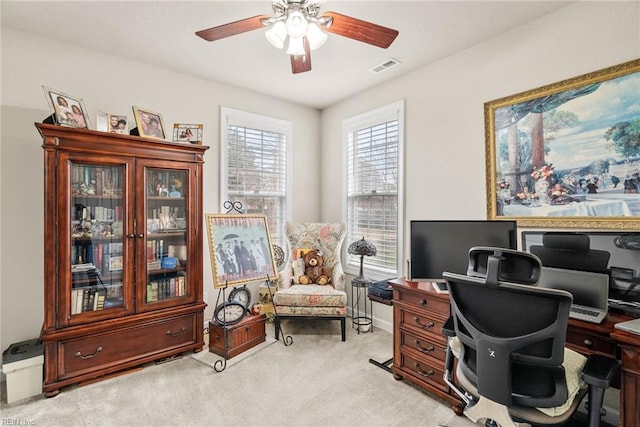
{"type": "Point", "coordinates": [299, 22]}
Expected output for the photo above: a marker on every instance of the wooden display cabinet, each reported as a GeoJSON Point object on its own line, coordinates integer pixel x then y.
{"type": "Point", "coordinates": [123, 252]}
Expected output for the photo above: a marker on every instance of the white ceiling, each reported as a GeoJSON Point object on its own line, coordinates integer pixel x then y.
{"type": "Point", "coordinates": [161, 33]}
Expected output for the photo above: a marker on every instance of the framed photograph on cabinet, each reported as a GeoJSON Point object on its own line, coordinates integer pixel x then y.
{"type": "Point", "coordinates": [67, 110]}
{"type": "Point", "coordinates": [567, 154]}
{"type": "Point", "coordinates": [191, 133]}
{"type": "Point", "coordinates": [240, 249]}
{"type": "Point", "coordinates": [118, 124]}
{"type": "Point", "coordinates": [112, 123]}
{"type": "Point", "coordinates": [149, 123]}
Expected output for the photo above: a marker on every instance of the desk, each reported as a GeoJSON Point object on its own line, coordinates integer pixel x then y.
{"type": "Point", "coordinates": [629, 345]}
{"type": "Point", "coordinates": [587, 208]}
{"type": "Point", "coordinates": [418, 349]}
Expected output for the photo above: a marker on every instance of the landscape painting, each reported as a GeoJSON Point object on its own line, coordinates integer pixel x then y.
{"type": "Point", "coordinates": [567, 154]}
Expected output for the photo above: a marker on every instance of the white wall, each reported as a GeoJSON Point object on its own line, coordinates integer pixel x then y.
{"type": "Point", "coordinates": [444, 122]}
{"type": "Point", "coordinates": [444, 105]}
{"type": "Point", "coordinates": [112, 85]}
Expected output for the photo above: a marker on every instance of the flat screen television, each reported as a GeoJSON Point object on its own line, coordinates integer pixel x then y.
{"type": "Point", "coordinates": [441, 245]}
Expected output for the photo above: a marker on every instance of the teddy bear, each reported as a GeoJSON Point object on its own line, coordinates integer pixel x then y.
{"type": "Point", "coordinates": [314, 271]}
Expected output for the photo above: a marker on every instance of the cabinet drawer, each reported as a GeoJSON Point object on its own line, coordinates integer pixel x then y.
{"type": "Point", "coordinates": [586, 343]}
{"type": "Point", "coordinates": [425, 302]}
{"type": "Point", "coordinates": [423, 369]}
{"type": "Point", "coordinates": [423, 322]}
{"type": "Point", "coordinates": [100, 351]}
{"type": "Point", "coordinates": [436, 350]}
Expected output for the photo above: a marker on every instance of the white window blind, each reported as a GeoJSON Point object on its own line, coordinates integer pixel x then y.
{"type": "Point", "coordinates": [374, 186]}
{"type": "Point", "coordinates": [255, 166]}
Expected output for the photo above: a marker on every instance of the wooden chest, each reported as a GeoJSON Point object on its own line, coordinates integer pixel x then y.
{"type": "Point", "coordinates": [239, 337]}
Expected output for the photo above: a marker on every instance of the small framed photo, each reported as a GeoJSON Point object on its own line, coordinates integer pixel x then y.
{"type": "Point", "coordinates": [191, 133]}
{"type": "Point", "coordinates": [67, 110]}
{"type": "Point", "coordinates": [149, 123]}
{"type": "Point", "coordinates": [112, 123]}
{"type": "Point", "coordinates": [115, 263]}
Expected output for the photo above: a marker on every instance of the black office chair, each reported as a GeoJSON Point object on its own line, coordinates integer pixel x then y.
{"type": "Point", "coordinates": [570, 250]}
{"type": "Point", "coordinates": [508, 336]}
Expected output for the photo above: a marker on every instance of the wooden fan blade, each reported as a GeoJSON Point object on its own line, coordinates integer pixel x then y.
{"type": "Point", "coordinates": [360, 30]}
{"type": "Point", "coordinates": [232, 28]}
{"type": "Point", "coordinates": [301, 63]}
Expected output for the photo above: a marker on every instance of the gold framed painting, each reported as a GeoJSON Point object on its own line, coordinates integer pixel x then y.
{"type": "Point", "coordinates": [567, 155]}
{"type": "Point", "coordinates": [240, 248]}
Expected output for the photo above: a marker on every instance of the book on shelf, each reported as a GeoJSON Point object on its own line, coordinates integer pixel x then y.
{"type": "Point", "coordinates": [87, 299]}
{"type": "Point", "coordinates": [114, 290]}
{"type": "Point", "coordinates": [99, 301]}
{"type": "Point", "coordinates": [167, 287]}
{"type": "Point", "coordinates": [96, 180]}
{"type": "Point", "coordinates": [151, 250]}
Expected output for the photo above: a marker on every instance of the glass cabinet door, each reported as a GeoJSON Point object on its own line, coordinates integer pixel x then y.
{"type": "Point", "coordinates": [167, 237]}
{"type": "Point", "coordinates": [96, 241]}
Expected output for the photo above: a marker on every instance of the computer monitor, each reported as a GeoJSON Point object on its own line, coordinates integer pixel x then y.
{"type": "Point", "coordinates": [443, 245]}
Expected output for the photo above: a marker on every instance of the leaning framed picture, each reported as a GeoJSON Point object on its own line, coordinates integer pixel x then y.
{"type": "Point", "coordinates": [118, 124]}
{"type": "Point", "coordinates": [67, 110]}
{"type": "Point", "coordinates": [191, 133]}
{"type": "Point", "coordinates": [240, 248]}
{"type": "Point", "coordinates": [149, 123]}
{"type": "Point", "coordinates": [567, 155]}
{"type": "Point", "coordinates": [112, 123]}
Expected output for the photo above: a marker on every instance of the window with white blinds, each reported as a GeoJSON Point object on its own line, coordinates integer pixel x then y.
{"type": "Point", "coordinates": [255, 158]}
{"type": "Point", "coordinates": [374, 186]}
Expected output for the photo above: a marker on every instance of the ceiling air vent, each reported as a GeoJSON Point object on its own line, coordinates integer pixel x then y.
{"type": "Point", "coordinates": [391, 62]}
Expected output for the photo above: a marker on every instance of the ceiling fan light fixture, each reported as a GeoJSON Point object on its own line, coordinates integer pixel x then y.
{"type": "Point", "coordinates": [316, 36]}
{"type": "Point", "coordinates": [300, 22]}
{"type": "Point", "coordinates": [277, 34]}
{"type": "Point", "coordinates": [297, 24]}
{"type": "Point", "coordinates": [296, 46]}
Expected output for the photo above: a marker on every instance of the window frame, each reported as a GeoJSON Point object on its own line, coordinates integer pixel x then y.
{"type": "Point", "coordinates": [392, 111]}
{"type": "Point", "coordinates": [233, 117]}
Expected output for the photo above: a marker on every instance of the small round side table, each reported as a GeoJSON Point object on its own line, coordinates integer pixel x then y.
{"type": "Point", "coordinates": [359, 289]}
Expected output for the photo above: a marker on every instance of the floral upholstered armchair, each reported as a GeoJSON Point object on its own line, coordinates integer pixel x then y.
{"type": "Point", "coordinates": [296, 300]}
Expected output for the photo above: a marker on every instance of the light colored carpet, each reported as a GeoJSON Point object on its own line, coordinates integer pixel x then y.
{"type": "Point", "coordinates": [317, 381]}
{"type": "Point", "coordinates": [217, 362]}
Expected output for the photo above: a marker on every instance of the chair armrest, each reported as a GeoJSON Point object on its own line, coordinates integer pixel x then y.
{"type": "Point", "coordinates": [448, 329]}
{"type": "Point", "coordinates": [337, 277]}
{"type": "Point", "coordinates": [599, 371]}
{"type": "Point", "coordinates": [285, 276]}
